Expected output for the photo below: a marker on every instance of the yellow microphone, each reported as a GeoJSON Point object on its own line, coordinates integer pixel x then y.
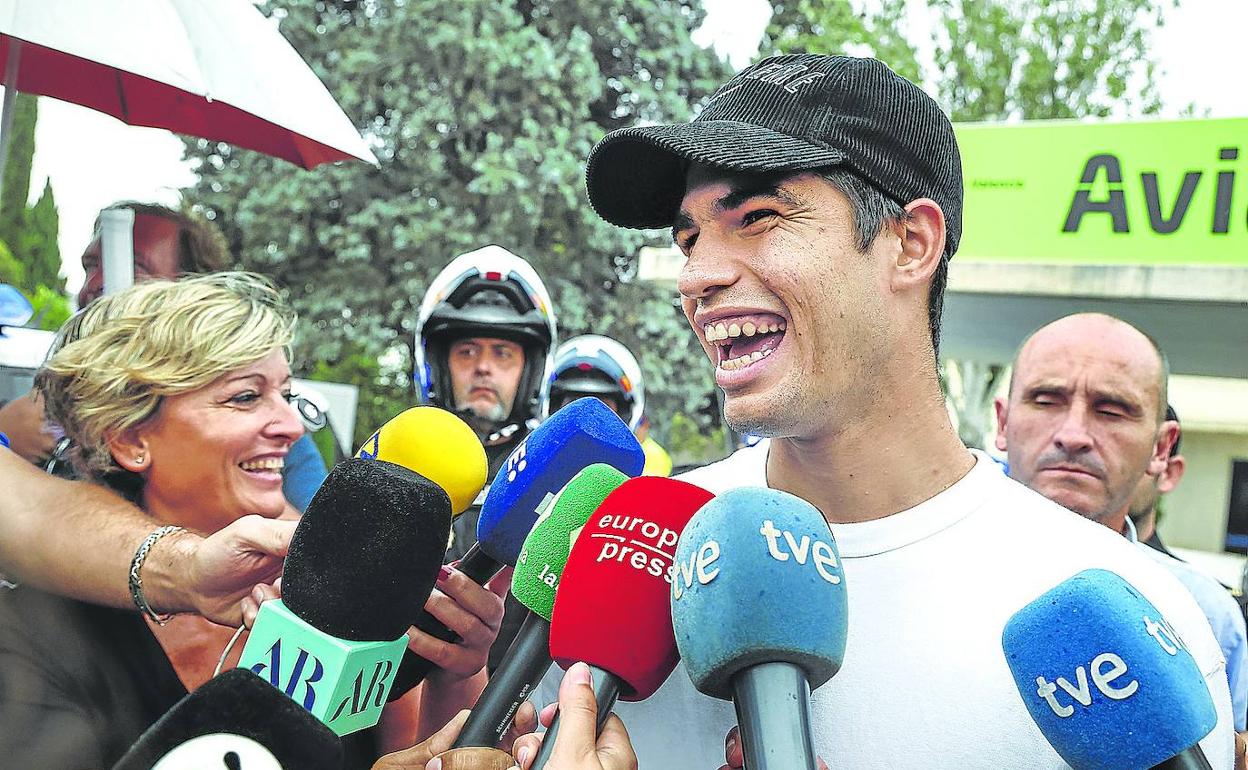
{"type": "Point", "coordinates": [442, 448]}
{"type": "Point", "coordinates": [437, 445]}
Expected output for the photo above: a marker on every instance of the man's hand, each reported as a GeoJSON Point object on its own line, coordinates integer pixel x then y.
{"type": "Point", "coordinates": [211, 576]}
{"type": "Point", "coordinates": [736, 759]}
{"type": "Point", "coordinates": [418, 756]}
{"type": "Point", "coordinates": [22, 420]}
{"type": "Point", "coordinates": [473, 612]}
{"type": "Point", "coordinates": [576, 747]}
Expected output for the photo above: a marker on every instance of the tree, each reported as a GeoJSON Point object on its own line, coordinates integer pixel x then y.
{"type": "Point", "coordinates": [28, 234]}
{"type": "Point", "coordinates": [17, 170]}
{"type": "Point", "coordinates": [995, 60]}
{"type": "Point", "coordinates": [37, 242]}
{"type": "Point", "coordinates": [481, 113]}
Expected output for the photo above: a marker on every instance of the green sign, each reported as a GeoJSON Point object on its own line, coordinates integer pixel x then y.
{"type": "Point", "coordinates": [1148, 192]}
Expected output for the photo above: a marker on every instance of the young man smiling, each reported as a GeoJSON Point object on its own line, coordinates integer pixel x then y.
{"type": "Point", "coordinates": [819, 199]}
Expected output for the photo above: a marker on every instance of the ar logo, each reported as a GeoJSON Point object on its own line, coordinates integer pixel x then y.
{"type": "Point", "coordinates": [274, 667]}
{"type": "Point", "coordinates": [376, 690]}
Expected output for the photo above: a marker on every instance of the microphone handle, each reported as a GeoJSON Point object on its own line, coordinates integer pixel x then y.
{"type": "Point", "coordinates": [606, 692]}
{"type": "Point", "coordinates": [1188, 759]}
{"type": "Point", "coordinates": [526, 662]}
{"type": "Point", "coordinates": [479, 567]}
{"type": "Point", "coordinates": [773, 712]}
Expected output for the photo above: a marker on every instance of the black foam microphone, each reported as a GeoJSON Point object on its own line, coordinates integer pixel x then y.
{"type": "Point", "coordinates": [236, 721]}
{"type": "Point", "coordinates": [362, 563]}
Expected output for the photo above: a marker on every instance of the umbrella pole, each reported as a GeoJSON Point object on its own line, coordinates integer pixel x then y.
{"type": "Point", "coordinates": [10, 94]}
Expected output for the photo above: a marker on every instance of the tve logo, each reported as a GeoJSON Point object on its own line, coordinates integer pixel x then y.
{"type": "Point", "coordinates": [1106, 672]}
{"type": "Point", "coordinates": [782, 546]}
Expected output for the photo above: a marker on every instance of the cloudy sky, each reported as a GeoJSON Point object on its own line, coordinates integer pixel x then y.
{"type": "Point", "coordinates": [94, 159]}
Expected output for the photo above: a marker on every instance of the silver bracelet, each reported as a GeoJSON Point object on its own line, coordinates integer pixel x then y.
{"type": "Point", "coordinates": [136, 580]}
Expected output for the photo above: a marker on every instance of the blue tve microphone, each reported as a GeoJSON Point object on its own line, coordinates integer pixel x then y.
{"type": "Point", "coordinates": [1107, 679]}
{"type": "Point", "coordinates": [580, 434]}
{"type": "Point", "coordinates": [759, 609]}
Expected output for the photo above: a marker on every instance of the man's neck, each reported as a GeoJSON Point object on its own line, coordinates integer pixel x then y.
{"type": "Point", "coordinates": [867, 471]}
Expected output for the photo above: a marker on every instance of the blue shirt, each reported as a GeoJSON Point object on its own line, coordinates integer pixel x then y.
{"type": "Point", "coordinates": [1224, 617]}
{"type": "Point", "coordinates": [305, 470]}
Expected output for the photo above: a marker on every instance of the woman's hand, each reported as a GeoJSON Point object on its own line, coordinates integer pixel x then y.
{"type": "Point", "coordinates": [473, 612]}
{"type": "Point", "coordinates": [576, 747]}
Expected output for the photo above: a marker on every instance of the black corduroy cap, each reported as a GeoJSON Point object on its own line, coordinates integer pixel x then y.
{"type": "Point", "coordinates": [788, 113]}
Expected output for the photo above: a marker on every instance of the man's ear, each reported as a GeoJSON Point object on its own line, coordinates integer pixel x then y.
{"type": "Point", "coordinates": [922, 234]}
{"type": "Point", "coordinates": [1002, 408]}
{"type": "Point", "coordinates": [1173, 475]}
{"type": "Point", "coordinates": [129, 450]}
{"type": "Point", "coordinates": [1166, 436]}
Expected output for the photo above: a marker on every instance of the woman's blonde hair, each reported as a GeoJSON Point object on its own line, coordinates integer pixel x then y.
{"type": "Point", "coordinates": [113, 363]}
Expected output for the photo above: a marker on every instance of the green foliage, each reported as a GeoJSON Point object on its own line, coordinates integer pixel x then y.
{"type": "Point", "coordinates": [481, 113]}
{"type": "Point", "coordinates": [383, 394]}
{"type": "Point", "coordinates": [12, 271]}
{"type": "Point", "coordinates": [17, 171]}
{"type": "Point", "coordinates": [30, 258]}
{"type": "Point", "coordinates": [51, 308]}
{"type": "Point", "coordinates": [690, 444]}
{"type": "Point", "coordinates": [37, 244]}
{"type": "Point", "coordinates": [997, 59]}
{"type": "Point", "coordinates": [834, 27]}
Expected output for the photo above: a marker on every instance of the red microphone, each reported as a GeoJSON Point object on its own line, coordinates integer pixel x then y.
{"type": "Point", "coordinates": [613, 605]}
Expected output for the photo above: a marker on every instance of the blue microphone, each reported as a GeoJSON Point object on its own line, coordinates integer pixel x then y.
{"type": "Point", "coordinates": [580, 434]}
{"type": "Point", "coordinates": [759, 609]}
{"type": "Point", "coordinates": [1094, 660]}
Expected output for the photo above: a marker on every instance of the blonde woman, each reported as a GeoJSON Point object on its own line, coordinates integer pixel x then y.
{"type": "Point", "coordinates": [176, 395]}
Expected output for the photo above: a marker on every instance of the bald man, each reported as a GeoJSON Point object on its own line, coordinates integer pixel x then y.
{"type": "Point", "coordinates": [1085, 424]}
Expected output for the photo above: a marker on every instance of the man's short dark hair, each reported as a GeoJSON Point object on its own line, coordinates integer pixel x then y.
{"type": "Point", "coordinates": [201, 246]}
{"type": "Point", "coordinates": [872, 210]}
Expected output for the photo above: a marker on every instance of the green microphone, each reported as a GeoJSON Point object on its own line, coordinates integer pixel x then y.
{"type": "Point", "coordinates": [362, 563]}
{"type": "Point", "coordinates": [541, 561]}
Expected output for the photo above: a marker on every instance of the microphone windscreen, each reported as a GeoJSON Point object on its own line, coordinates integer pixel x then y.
{"type": "Point", "coordinates": [546, 549]}
{"type": "Point", "coordinates": [758, 580]}
{"type": "Point", "coordinates": [584, 432]}
{"type": "Point", "coordinates": [366, 553]}
{"type": "Point", "coordinates": [437, 445]}
{"type": "Point", "coordinates": [1105, 677]}
{"type": "Point", "coordinates": [237, 718]}
{"type": "Point", "coordinates": [612, 608]}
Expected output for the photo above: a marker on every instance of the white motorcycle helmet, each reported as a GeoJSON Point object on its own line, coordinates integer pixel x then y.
{"type": "Point", "coordinates": [593, 365]}
{"type": "Point", "coordinates": [489, 292]}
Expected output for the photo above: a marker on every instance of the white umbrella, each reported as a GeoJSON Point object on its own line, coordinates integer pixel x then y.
{"type": "Point", "coordinates": [216, 69]}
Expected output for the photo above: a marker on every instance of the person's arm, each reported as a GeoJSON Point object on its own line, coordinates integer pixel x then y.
{"type": "Point", "coordinates": [22, 420]}
{"type": "Point", "coordinates": [77, 539]}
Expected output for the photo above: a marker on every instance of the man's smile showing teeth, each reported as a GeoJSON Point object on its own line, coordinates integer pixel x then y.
{"type": "Point", "coordinates": [744, 340]}
{"type": "Point", "coordinates": [722, 331]}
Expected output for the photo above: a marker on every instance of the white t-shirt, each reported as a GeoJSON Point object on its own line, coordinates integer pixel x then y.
{"type": "Point", "coordinates": [925, 683]}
